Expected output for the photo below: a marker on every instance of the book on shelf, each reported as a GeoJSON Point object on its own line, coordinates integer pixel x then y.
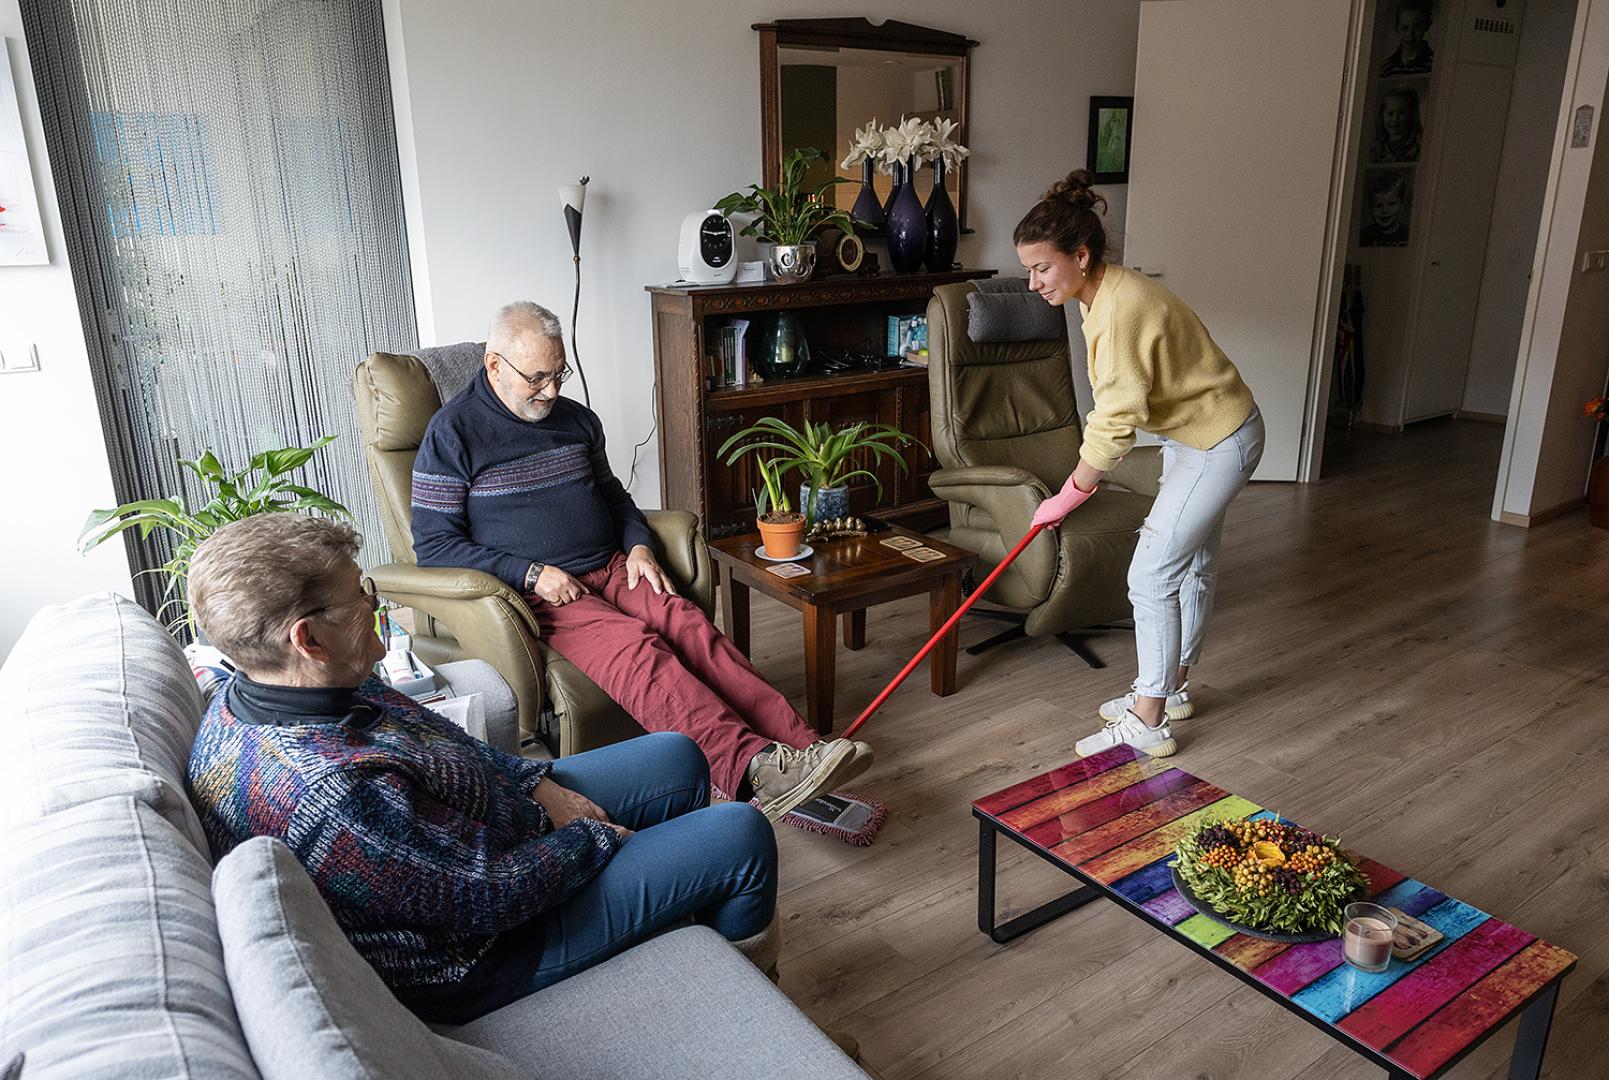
{"type": "Point", "coordinates": [730, 363]}
{"type": "Point", "coordinates": [906, 334]}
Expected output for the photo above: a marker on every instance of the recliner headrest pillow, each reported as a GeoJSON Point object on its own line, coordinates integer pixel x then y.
{"type": "Point", "coordinates": [1012, 316]}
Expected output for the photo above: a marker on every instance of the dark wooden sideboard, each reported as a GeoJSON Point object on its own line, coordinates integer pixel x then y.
{"type": "Point", "coordinates": [836, 313]}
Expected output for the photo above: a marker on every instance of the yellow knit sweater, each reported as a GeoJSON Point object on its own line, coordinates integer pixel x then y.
{"type": "Point", "coordinates": [1154, 367]}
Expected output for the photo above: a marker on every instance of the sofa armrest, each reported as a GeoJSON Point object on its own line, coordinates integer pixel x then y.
{"type": "Point", "coordinates": [686, 558]}
{"type": "Point", "coordinates": [1140, 471]}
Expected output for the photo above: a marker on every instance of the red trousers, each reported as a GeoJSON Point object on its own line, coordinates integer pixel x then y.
{"type": "Point", "coordinates": [667, 665]}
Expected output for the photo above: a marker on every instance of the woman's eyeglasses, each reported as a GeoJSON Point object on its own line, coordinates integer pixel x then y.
{"type": "Point", "coordinates": [541, 379]}
{"type": "Point", "coordinates": [370, 596]}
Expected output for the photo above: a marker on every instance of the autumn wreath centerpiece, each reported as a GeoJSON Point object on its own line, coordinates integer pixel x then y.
{"type": "Point", "coordinates": [1268, 878]}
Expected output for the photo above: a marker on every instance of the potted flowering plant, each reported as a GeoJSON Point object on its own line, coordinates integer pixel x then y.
{"type": "Point", "coordinates": [943, 226]}
{"type": "Point", "coordinates": [781, 527]}
{"type": "Point", "coordinates": [826, 458]}
{"type": "Point", "coordinates": [788, 217]}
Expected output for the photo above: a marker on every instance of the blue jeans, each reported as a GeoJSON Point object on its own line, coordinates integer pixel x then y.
{"type": "Point", "coordinates": [1175, 569]}
{"type": "Point", "coordinates": [714, 864]}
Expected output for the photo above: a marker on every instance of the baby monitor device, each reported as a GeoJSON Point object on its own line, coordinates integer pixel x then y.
{"type": "Point", "coordinates": [708, 249]}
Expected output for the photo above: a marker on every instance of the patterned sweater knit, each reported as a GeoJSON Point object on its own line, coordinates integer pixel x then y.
{"type": "Point", "coordinates": [496, 493]}
{"type": "Point", "coordinates": [424, 841]}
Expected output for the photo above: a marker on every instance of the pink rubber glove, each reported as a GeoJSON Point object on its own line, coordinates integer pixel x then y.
{"type": "Point", "coordinates": [1064, 502]}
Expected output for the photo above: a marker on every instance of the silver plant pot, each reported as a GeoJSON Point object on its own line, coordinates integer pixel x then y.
{"type": "Point", "coordinates": [791, 263]}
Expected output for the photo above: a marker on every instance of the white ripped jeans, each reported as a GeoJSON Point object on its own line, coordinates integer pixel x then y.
{"type": "Point", "coordinates": [1175, 568]}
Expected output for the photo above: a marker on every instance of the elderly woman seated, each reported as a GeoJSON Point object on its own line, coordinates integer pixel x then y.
{"type": "Point", "coordinates": [468, 877]}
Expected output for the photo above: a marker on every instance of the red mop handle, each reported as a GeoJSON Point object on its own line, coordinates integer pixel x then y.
{"type": "Point", "coordinates": [949, 625]}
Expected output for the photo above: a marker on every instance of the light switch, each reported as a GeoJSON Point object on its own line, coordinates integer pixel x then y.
{"type": "Point", "coordinates": [19, 358]}
{"type": "Point", "coordinates": [1594, 260]}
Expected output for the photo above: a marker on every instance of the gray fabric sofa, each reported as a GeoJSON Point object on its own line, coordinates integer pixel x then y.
{"type": "Point", "coordinates": [125, 953]}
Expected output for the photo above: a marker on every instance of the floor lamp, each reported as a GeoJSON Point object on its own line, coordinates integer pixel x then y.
{"type": "Point", "coordinates": [573, 197]}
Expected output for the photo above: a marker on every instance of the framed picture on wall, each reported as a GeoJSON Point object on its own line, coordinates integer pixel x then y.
{"type": "Point", "coordinates": [1111, 136]}
{"type": "Point", "coordinates": [22, 235]}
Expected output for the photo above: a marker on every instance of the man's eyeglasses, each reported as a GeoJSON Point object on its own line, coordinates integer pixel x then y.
{"type": "Point", "coordinates": [370, 596]}
{"type": "Point", "coordinates": [541, 379]}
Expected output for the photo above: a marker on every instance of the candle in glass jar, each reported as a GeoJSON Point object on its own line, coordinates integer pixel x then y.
{"type": "Point", "coordinates": [1367, 941]}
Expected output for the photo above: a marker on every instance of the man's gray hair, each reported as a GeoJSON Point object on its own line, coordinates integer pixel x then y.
{"type": "Point", "coordinates": [514, 321]}
{"type": "Point", "coordinates": [252, 579]}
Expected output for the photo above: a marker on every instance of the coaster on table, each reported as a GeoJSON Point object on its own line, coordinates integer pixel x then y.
{"type": "Point", "coordinates": [900, 543]}
{"type": "Point", "coordinates": [1413, 937]}
{"type": "Point", "coordinates": [788, 570]}
{"type": "Point", "coordinates": [923, 554]}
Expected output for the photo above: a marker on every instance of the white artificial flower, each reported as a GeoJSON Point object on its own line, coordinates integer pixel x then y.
{"type": "Point", "coordinates": [941, 145]}
{"type": "Point", "coordinates": [907, 142]}
{"type": "Point", "coordinates": [868, 144]}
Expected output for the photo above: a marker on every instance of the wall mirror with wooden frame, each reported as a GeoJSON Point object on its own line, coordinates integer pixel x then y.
{"type": "Point", "coordinates": [820, 79]}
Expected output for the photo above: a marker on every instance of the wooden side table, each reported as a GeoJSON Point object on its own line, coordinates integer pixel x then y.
{"type": "Point", "coordinates": [846, 577]}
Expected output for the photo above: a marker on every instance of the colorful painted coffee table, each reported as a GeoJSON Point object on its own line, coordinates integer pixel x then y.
{"type": "Point", "coordinates": [1112, 821]}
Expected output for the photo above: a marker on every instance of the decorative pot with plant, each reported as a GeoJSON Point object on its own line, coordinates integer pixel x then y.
{"type": "Point", "coordinates": [787, 217]}
{"type": "Point", "coordinates": [781, 526]}
{"type": "Point", "coordinates": [236, 495]}
{"type": "Point", "coordinates": [867, 152]}
{"type": "Point", "coordinates": [825, 457]}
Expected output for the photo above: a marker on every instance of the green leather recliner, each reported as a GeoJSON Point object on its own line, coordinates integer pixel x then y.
{"type": "Point", "coordinates": [1006, 433]}
{"type": "Point", "coordinates": [461, 614]}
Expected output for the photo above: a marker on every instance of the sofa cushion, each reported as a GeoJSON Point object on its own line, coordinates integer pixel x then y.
{"type": "Point", "coordinates": [684, 1004]}
{"type": "Point", "coordinates": [309, 1004]}
{"type": "Point", "coordinates": [110, 954]}
{"type": "Point", "coordinates": [97, 700]}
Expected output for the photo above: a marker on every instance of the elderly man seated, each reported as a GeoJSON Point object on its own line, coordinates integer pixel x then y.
{"type": "Point", "coordinates": [512, 479]}
{"type": "Point", "coordinates": [468, 877]}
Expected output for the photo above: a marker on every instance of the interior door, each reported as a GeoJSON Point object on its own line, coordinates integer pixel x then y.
{"type": "Point", "coordinates": [1461, 217]}
{"type": "Point", "coordinates": [1236, 108]}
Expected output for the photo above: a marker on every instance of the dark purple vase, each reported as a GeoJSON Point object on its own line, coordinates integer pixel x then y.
{"type": "Point", "coordinates": [907, 228]}
{"type": "Point", "coordinates": [866, 210]}
{"type": "Point", "coordinates": [943, 230]}
{"type": "Point", "coordinates": [897, 178]}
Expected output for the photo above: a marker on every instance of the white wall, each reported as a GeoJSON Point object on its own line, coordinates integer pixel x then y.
{"type": "Point", "coordinates": [1533, 114]}
{"type": "Point", "coordinates": [53, 452]}
{"type": "Point", "coordinates": [1564, 351]}
{"type": "Point", "coordinates": [659, 104]}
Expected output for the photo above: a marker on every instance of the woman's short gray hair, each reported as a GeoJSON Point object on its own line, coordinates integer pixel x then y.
{"type": "Point", "coordinates": [252, 579]}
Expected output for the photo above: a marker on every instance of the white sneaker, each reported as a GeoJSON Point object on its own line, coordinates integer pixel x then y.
{"type": "Point", "coordinates": [1178, 707]}
{"type": "Point", "coordinates": [1128, 728]}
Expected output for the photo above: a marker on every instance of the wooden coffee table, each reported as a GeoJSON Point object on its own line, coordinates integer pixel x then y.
{"type": "Point", "coordinates": [846, 577]}
{"type": "Point", "coordinates": [1112, 821]}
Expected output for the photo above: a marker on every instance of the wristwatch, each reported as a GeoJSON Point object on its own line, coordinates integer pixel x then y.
{"type": "Point", "coordinates": [532, 574]}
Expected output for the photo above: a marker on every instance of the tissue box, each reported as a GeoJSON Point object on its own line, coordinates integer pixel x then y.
{"type": "Point", "coordinates": [406, 673]}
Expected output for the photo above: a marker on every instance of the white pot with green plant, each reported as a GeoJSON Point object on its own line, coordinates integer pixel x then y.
{"type": "Point", "coordinates": [235, 495]}
{"type": "Point", "coordinates": [788, 217]}
{"type": "Point", "coordinates": [781, 526]}
{"type": "Point", "coordinates": [827, 459]}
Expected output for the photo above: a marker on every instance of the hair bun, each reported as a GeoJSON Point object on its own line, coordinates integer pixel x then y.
{"type": "Point", "coordinates": [1076, 189]}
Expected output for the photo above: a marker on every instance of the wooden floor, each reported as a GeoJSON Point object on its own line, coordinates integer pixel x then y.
{"type": "Point", "coordinates": [1386, 663]}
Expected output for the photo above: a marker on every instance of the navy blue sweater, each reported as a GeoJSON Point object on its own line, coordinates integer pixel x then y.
{"type": "Point", "coordinates": [496, 493]}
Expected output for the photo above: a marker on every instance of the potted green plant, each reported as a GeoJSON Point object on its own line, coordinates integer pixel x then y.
{"type": "Point", "coordinates": [235, 496]}
{"type": "Point", "coordinates": [827, 458]}
{"type": "Point", "coordinates": [788, 216]}
{"type": "Point", "coordinates": [781, 526]}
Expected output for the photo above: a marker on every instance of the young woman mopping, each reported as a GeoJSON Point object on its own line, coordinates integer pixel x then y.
{"type": "Point", "coordinates": [1153, 367]}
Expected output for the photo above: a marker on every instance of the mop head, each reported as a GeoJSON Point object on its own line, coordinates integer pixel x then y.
{"type": "Point", "coordinates": [854, 819]}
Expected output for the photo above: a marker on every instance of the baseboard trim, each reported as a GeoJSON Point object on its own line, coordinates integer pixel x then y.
{"type": "Point", "coordinates": [1385, 429]}
{"type": "Point", "coordinates": [1483, 417]}
{"type": "Point", "coordinates": [1525, 521]}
